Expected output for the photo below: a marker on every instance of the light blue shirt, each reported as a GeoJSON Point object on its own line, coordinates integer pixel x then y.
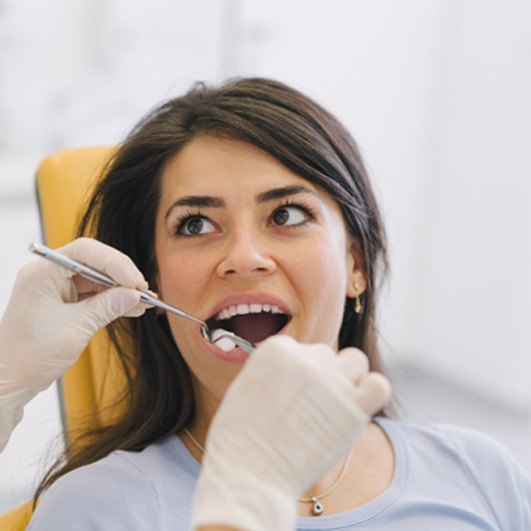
{"type": "Point", "coordinates": [445, 478]}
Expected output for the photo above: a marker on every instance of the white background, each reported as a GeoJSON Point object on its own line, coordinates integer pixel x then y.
{"type": "Point", "coordinates": [438, 95]}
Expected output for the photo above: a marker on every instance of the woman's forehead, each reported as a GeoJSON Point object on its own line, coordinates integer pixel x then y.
{"type": "Point", "coordinates": [209, 163]}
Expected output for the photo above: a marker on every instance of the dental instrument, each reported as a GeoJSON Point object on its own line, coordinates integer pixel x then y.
{"type": "Point", "coordinates": [223, 339]}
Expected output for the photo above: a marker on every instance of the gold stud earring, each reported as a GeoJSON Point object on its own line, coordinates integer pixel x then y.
{"type": "Point", "coordinates": [357, 302]}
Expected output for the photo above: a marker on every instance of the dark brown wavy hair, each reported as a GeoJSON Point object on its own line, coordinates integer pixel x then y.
{"type": "Point", "coordinates": [277, 119]}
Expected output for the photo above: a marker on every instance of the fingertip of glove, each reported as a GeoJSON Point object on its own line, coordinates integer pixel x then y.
{"type": "Point", "coordinates": [374, 392]}
{"type": "Point", "coordinates": [124, 301]}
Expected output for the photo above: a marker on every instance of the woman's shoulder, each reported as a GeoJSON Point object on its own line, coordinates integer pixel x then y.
{"type": "Point", "coordinates": [465, 444]}
{"type": "Point", "coordinates": [99, 492]}
{"type": "Point", "coordinates": [448, 438]}
{"type": "Point", "coordinates": [461, 458]}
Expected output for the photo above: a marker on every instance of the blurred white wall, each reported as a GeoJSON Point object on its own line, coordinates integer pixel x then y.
{"type": "Point", "coordinates": [436, 93]}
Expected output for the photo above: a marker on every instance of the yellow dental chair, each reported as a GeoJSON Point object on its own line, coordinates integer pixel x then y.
{"type": "Point", "coordinates": [63, 183]}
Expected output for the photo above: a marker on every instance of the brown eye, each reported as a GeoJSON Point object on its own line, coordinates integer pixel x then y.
{"type": "Point", "coordinates": [280, 217]}
{"type": "Point", "coordinates": [290, 215]}
{"type": "Point", "coordinates": [195, 226]}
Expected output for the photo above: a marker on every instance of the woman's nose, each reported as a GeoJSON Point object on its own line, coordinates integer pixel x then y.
{"type": "Point", "coordinates": [246, 255]}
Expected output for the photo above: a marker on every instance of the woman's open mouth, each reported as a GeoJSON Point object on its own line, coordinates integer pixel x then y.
{"type": "Point", "coordinates": [254, 322]}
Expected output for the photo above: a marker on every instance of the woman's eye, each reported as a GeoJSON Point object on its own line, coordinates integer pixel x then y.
{"type": "Point", "coordinates": [290, 215]}
{"type": "Point", "coordinates": [195, 226]}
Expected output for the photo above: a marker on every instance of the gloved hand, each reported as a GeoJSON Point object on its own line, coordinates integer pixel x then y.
{"type": "Point", "coordinates": [292, 413]}
{"type": "Point", "coordinates": [50, 317]}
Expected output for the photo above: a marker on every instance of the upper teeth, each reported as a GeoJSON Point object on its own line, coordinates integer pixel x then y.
{"type": "Point", "coordinates": [244, 309]}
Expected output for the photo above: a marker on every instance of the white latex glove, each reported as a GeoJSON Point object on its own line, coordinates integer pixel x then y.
{"type": "Point", "coordinates": [292, 413]}
{"type": "Point", "coordinates": [50, 318]}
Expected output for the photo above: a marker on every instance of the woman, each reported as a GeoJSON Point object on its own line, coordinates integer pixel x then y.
{"type": "Point", "coordinates": [249, 206]}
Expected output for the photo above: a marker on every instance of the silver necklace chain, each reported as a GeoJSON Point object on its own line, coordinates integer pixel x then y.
{"type": "Point", "coordinates": [317, 507]}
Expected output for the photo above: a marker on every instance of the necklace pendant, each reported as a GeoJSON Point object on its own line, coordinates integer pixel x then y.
{"type": "Point", "coordinates": [317, 507]}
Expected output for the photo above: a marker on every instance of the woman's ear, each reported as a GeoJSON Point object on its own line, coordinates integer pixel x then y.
{"type": "Point", "coordinates": [356, 285]}
{"type": "Point", "coordinates": [356, 280]}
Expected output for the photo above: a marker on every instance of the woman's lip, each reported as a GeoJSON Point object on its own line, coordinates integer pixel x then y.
{"type": "Point", "coordinates": [248, 298]}
{"type": "Point", "coordinates": [236, 355]}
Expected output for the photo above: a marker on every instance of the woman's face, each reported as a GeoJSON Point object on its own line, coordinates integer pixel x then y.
{"type": "Point", "coordinates": [249, 246]}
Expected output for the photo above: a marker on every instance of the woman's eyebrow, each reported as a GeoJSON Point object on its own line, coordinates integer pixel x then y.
{"type": "Point", "coordinates": [196, 201]}
{"type": "Point", "coordinates": [284, 191]}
